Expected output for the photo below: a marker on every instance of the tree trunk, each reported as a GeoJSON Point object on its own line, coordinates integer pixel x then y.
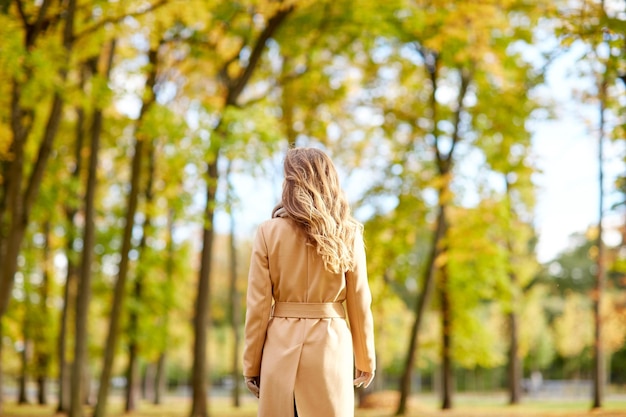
{"type": "Point", "coordinates": [41, 337]}
{"type": "Point", "coordinates": [421, 304]}
{"type": "Point", "coordinates": [69, 298]}
{"type": "Point", "coordinates": [444, 163]}
{"type": "Point", "coordinates": [169, 268]}
{"type": "Point", "coordinates": [447, 372]}
{"type": "Point", "coordinates": [12, 209]}
{"type": "Point", "coordinates": [148, 381]}
{"type": "Point", "coordinates": [120, 284]}
{"type": "Point", "coordinates": [599, 372]}
{"type": "Point", "coordinates": [42, 392]}
{"type": "Point", "coordinates": [69, 292]}
{"type": "Point", "coordinates": [159, 380]}
{"type": "Point", "coordinates": [26, 353]}
{"type": "Point", "coordinates": [132, 373]}
{"type": "Point", "coordinates": [235, 316]}
{"type": "Point", "coordinates": [201, 319]}
{"type": "Point", "coordinates": [1, 376]}
{"type": "Point", "coordinates": [132, 385]}
{"type": "Point", "coordinates": [22, 397]}
{"type": "Point", "coordinates": [132, 378]}
{"type": "Point", "coordinates": [77, 386]}
{"type": "Point", "coordinates": [514, 365]}
{"type": "Point", "coordinates": [1, 370]}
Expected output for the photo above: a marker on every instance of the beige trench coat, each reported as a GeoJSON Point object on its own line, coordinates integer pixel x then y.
{"type": "Point", "coordinates": [309, 360]}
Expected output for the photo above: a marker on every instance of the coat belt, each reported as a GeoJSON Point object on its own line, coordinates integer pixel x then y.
{"type": "Point", "coordinates": [308, 310]}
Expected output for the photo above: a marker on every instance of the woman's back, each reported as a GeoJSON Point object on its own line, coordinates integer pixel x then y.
{"type": "Point", "coordinates": [307, 263]}
{"type": "Point", "coordinates": [296, 270]}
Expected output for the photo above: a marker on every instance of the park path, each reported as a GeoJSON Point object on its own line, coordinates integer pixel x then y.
{"type": "Point", "coordinates": [382, 404]}
{"type": "Point", "coordinates": [493, 413]}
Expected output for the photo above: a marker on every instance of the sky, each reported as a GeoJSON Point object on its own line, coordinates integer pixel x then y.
{"type": "Point", "coordinates": [566, 149]}
{"type": "Point", "coordinates": [568, 186]}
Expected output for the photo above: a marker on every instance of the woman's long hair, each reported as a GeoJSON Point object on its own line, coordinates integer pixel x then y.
{"type": "Point", "coordinates": [313, 198]}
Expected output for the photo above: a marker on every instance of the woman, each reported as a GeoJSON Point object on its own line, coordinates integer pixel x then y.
{"type": "Point", "coordinates": [306, 262]}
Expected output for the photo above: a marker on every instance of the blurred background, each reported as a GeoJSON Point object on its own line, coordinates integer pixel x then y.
{"type": "Point", "coordinates": [481, 143]}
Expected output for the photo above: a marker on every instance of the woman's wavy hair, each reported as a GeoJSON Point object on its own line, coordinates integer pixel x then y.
{"type": "Point", "coordinates": [313, 198]}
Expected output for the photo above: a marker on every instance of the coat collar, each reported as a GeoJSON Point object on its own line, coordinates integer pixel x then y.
{"type": "Point", "coordinates": [281, 212]}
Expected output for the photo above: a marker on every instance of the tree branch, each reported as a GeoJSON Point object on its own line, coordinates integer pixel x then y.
{"type": "Point", "coordinates": [117, 19]}
{"type": "Point", "coordinates": [456, 135]}
{"type": "Point", "coordinates": [20, 9]}
{"type": "Point", "coordinates": [40, 16]}
{"type": "Point", "coordinates": [255, 56]}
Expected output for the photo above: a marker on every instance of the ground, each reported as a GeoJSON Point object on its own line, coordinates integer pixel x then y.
{"type": "Point", "coordinates": [377, 405]}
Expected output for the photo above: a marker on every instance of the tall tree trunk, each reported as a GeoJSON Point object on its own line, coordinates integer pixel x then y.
{"type": "Point", "coordinates": [514, 365]}
{"type": "Point", "coordinates": [423, 297]}
{"type": "Point", "coordinates": [159, 379]}
{"type": "Point", "coordinates": [599, 372]}
{"type": "Point", "coordinates": [77, 385]}
{"type": "Point", "coordinates": [69, 291]}
{"type": "Point", "coordinates": [160, 376]}
{"type": "Point", "coordinates": [26, 353]}
{"type": "Point", "coordinates": [199, 407]}
{"type": "Point", "coordinates": [132, 385]}
{"type": "Point", "coordinates": [22, 397]}
{"type": "Point", "coordinates": [132, 378]}
{"type": "Point", "coordinates": [1, 370]}
{"type": "Point", "coordinates": [120, 284]}
{"type": "Point", "coordinates": [235, 315]}
{"type": "Point", "coordinates": [447, 372]}
{"type": "Point", "coordinates": [444, 161]}
{"type": "Point", "coordinates": [12, 210]}
{"type": "Point", "coordinates": [1, 380]}
{"type": "Point", "coordinates": [41, 337]}
{"type": "Point", "coordinates": [421, 304]}
{"type": "Point", "coordinates": [234, 88]}
{"type": "Point", "coordinates": [148, 381]}
{"type": "Point", "coordinates": [69, 298]}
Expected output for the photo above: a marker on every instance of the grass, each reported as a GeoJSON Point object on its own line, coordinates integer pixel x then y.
{"type": "Point", "coordinates": [382, 405]}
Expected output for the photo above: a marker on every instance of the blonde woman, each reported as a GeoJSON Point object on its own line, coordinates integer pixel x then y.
{"type": "Point", "coordinates": [308, 261]}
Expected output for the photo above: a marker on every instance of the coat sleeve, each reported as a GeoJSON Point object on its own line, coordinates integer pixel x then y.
{"type": "Point", "coordinates": [358, 303]}
{"type": "Point", "coordinates": [258, 304]}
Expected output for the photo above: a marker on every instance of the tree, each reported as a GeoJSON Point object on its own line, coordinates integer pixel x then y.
{"type": "Point", "coordinates": [19, 192]}
{"type": "Point", "coordinates": [69, 294]}
{"type": "Point", "coordinates": [42, 353]}
{"type": "Point", "coordinates": [84, 287]}
{"type": "Point", "coordinates": [132, 374]}
{"type": "Point", "coordinates": [591, 23]}
{"type": "Point", "coordinates": [234, 297]}
{"type": "Point", "coordinates": [141, 143]}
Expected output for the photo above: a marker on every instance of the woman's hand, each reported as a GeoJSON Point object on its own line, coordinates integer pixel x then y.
{"type": "Point", "coordinates": [362, 378]}
{"type": "Point", "coordinates": [254, 384]}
